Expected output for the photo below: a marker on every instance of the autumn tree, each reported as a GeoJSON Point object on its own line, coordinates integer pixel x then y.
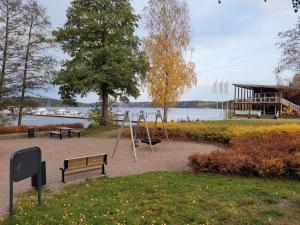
{"type": "Point", "coordinates": [36, 63]}
{"type": "Point", "coordinates": [292, 88]}
{"type": "Point", "coordinates": [289, 44]}
{"type": "Point", "coordinates": [104, 52]}
{"type": "Point", "coordinates": [295, 4]}
{"type": "Point", "coordinates": [10, 30]}
{"type": "Point", "coordinates": [167, 42]}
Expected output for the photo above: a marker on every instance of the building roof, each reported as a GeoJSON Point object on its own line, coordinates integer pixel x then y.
{"type": "Point", "coordinates": [253, 86]}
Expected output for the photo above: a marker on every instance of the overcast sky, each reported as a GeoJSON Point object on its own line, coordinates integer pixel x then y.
{"type": "Point", "coordinates": [234, 41]}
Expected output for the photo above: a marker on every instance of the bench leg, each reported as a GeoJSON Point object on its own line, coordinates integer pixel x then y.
{"type": "Point", "coordinates": [60, 136]}
{"type": "Point", "coordinates": [78, 135]}
{"type": "Point", "coordinates": [103, 170]}
{"type": "Point", "coordinates": [69, 134]}
{"type": "Point", "coordinates": [50, 134]}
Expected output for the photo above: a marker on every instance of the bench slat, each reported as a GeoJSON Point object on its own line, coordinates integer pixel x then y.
{"type": "Point", "coordinates": [80, 170]}
{"type": "Point", "coordinates": [84, 164]}
{"type": "Point", "coordinates": [77, 163]}
{"type": "Point", "coordinates": [96, 160]}
{"type": "Point", "coordinates": [55, 132]}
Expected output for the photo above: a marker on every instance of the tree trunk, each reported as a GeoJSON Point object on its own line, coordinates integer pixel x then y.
{"type": "Point", "coordinates": [2, 78]}
{"type": "Point", "coordinates": [165, 106]}
{"type": "Point", "coordinates": [165, 113]}
{"type": "Point", "coordinates": [105, 117]}
{"type": "Point", "coordinates": [24, 80]}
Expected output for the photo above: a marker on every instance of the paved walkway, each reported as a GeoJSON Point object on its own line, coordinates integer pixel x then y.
{"type": "Point", "coordinates": [166, 157]}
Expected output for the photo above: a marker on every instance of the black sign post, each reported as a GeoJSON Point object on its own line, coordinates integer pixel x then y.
{"type": "Point", "coordinates": [24, 163]}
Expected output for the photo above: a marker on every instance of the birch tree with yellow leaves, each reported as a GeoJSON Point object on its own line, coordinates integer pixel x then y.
{"type": "Point", "coordinates": [166, 45]}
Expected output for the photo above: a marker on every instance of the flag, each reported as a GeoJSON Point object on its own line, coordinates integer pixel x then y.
{"type": "Point", "coordinates": [221, 87]}
{"type": "Point", "coordinates": [226, 86]}
{"type": "Point", "coordinates": [215, 87]}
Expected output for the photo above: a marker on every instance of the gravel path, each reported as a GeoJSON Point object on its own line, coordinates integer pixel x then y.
{"type": "Point", "coordinates": [166, 157]}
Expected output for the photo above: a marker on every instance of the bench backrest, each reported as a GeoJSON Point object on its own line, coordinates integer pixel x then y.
{"type": "Point", "coordinates": [85, 162]}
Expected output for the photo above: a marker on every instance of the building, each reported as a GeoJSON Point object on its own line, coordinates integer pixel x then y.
{"type": "Point", "coordinates": [263, 100]}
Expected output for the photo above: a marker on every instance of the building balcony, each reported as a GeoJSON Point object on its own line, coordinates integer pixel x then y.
{"type": "Point", "coordinates": [257, 100]}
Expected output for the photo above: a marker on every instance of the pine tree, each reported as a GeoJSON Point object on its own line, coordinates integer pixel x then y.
{"type": "Point", "coordinates": [105, 55]}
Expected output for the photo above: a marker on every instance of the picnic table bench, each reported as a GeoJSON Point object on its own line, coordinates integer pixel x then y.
{"type": "Point", "coordinates": [58, 133]}
{"type": "Point", "coordinates": [83, 164]}
{"type": "Point", "coordinates": [77, 132]}
{"type": "Point", "coordinates": [62, 130]}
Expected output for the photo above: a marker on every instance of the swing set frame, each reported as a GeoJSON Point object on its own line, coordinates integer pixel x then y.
{"type": "Point", "coordinates": [133, 135]}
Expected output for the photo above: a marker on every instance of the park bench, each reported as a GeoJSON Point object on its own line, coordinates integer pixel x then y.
{"type": "Point", "coordinates": [83, 164]}
{"type": "Point", "coordinates": [57, 133]}
{"type": "Point", "coordinates": [77, 132]}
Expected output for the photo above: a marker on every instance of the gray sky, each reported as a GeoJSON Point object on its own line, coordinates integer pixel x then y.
{"type": "Point", "coordinates": [234, 41]}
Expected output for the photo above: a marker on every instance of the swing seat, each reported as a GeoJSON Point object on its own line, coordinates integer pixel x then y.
{"type": "Point", "coordinates": [154, 141]}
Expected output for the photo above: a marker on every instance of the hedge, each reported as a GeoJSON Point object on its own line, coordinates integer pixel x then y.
{"type": "Point", "coordinates": [271, 154]}
{"type": "Point", "coordinates": [213, 132]}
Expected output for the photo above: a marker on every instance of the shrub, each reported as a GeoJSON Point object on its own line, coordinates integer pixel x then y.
{"type": "Point", "coordinates": [23, 129]}
{"type": "Point", "coordinates": [271, 154]}
{"type": "Point", "coordinates": [222, 133]}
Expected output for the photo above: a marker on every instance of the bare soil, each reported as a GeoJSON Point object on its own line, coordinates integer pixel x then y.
{"type": "Point", "coordinates": [165, 157]}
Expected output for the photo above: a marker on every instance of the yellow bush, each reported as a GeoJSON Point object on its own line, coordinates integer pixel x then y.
{"type": "Point", "coordinates": [201, 131]}
{"type": "Point", "coordinates": [288, 111]}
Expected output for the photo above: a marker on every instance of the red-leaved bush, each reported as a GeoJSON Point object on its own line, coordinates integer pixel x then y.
{"type": "Point", "coordinates": [23, 129]}
{"type": "Point", "coordinates": [262, 154]}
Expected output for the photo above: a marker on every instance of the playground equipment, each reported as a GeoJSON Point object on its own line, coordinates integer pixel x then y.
{"type": "Point", "coordinates": [134, 134]}
{"type": "Point", "coordinates": [155, 140]}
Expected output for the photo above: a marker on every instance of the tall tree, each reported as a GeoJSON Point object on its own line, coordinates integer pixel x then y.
{"type": "Point", "coordinates": [105, 55]}
{"type": "Point", "coordinates": [168, 25]}
{"type": "Point", "coordinates": [289, 44]}
{"type": "Point", "coordinates": [36, 60]}
{"type": "Point", "coordinates": [10, 16]}
{"type": "Point", "coordinates": [295, 4]}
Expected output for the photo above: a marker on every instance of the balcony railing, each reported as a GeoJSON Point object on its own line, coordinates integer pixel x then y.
{"type": "Point", "coordinates": [258, 100]}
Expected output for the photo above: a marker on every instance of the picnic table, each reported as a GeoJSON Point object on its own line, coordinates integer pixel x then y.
{"type": "Point", "coordinates": [65, 129]}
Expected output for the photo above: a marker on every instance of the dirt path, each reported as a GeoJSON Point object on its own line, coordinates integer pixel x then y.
{"type": "Point", "coordinates": [166, 157]}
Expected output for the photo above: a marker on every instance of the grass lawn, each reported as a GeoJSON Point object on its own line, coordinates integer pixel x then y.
{"type": "Point", "coordinates": [96, 130]}
{"type": "Point", "coordinates": [166, 198]}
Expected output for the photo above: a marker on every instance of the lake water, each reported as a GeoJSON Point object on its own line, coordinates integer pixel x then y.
{"type": "Point", "coordinates": [174, 114]}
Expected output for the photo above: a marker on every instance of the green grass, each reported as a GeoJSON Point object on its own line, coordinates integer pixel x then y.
{"type": "Point", "coordinates": [166, 198]}
{"type": "Point", "coordinates": [96, 130]}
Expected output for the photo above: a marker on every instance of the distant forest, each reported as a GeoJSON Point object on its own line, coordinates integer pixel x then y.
{"type": "Point", "coordinates": [49, 102]}
{"type": "Point", "coordinates": [180, 104]}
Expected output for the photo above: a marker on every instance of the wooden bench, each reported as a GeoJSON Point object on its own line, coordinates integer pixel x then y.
{"type": "Point", "coordinates": [77, 132]}
{"type": "Point", "coordinates": [83, 164]}
{"type": "Point", "coordinates": [58, 133]}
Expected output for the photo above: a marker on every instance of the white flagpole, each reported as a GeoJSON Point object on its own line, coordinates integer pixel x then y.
{"type": "Point", "coordinates": [217, 92]}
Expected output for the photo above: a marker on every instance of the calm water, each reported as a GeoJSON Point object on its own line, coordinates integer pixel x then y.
{"type": "Point", "coordinates": [174, 114]}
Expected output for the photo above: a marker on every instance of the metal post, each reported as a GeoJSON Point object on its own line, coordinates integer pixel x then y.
{"type": "Point", "coordinates": [148, 133]}
{"type": "Point", "coordinates": [234, 100]}
{"type": "Point", "coordinates": [158, 114]}
{"type": "Point", "coordinates": [39, 180]}
{"type": "Point", "coordinates": [132, 140]}
{"type": "Point", "coordinates": [11, 192]}
{"type": "Point", "coordinates": [119, 134]}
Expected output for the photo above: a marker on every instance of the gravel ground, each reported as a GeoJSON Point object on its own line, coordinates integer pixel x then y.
{"type": "Point", "coordinates": [166, 157]}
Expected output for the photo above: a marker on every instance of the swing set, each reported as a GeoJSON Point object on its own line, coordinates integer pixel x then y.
{"type": "Point", "coordinates": [134, 132]}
